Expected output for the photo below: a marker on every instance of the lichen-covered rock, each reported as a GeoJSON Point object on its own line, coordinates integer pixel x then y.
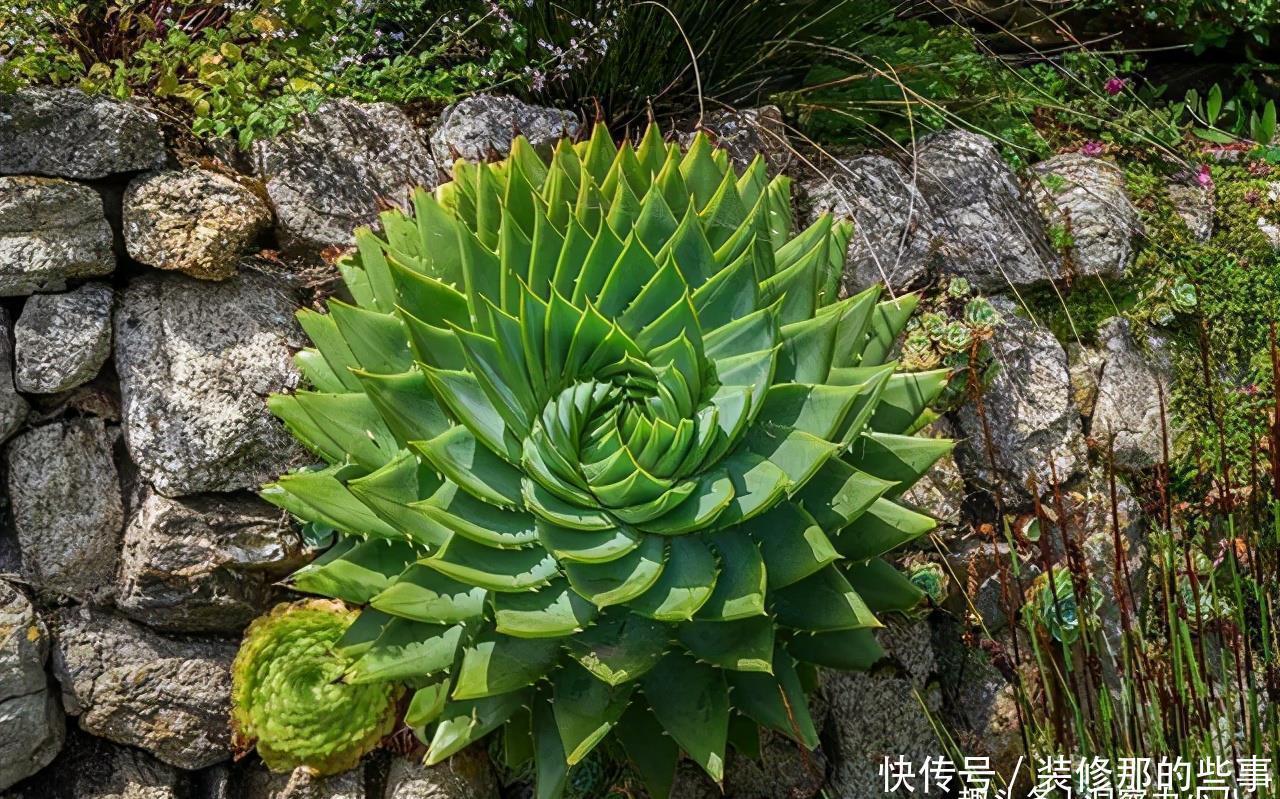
{"type": "Point", "coordinates": [67, 133]}
{"type": "Point", "coordinates": [894, 237]}
{"type": "Point", "coordinates": [197, 361]}
{"type": "Point", "coordinates": [327, 175]}
{"type": "Point", "coordinates": [878, 713]}
{"type": "Point", "coordinates": [203, 563]}
{"type": "Point", "coordinates": [1086, 197]}
{"type": "Point", "coordinates": [991, 231]}
{"type": "Point", "coordinates": [1084, 365]}
{"type": "Point", "coordinates": [13, 408]}
{"type": "Point", "coordinates": [131, 685]}
{"type": "Point", "coordinates": [1126, 416]}
{"type": "Point", "coordinates": [481, 128]}
{"type": "Point", "coordinates": [744, 134]}
{"type": "Point", "coordinates": [1195, 205]}
{"type": "Point", "coordinates": [31, 723]}
{"type": "Point", "coordinates": [193, 221]}
{"type": "Point", "coordinates": [466, 775]}
{"type": "Point", "coordinates": [255, 782]}
{"type": "Point", "coordinates": [50, 231]}
{"type": "Point", "coordinates": [1028, 412]}
{"type": "Point", "coordinates": [941, 491]}
{"type": "Point", "coordinates": [62, 340]}
{"type": "Point", "coordinates": [67, 509]}
{"type": "Point", "coordinates": [91, 768]}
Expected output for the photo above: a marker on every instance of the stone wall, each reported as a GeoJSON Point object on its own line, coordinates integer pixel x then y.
{"type": "Point", "coordinates": [147, 313]}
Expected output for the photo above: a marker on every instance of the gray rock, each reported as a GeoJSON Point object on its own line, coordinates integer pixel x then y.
{"type": "Point", "coordinates": [894, 235]}
{"type": "Point", "coordinates": [13, 408]}
{"type": "Point", "coordinates": [1084, 364]}
{"type": "Point", "coordinates": [941, 491]}
{"type": "Point", "coordinates": [67, 509]}
{"type": "Point", "coordinates": [62, 340]}
{"type": "Point", "coordinates": [466, 775]}
{"type": "Point", "coordinates": [1029, 415]}
{"type": "Point", "coordinates": [197, 361]}
{"type": "Point", "coordinates": [878, 713]}
{"type": "Point", "coordinates": [194, 221]}
{"type": "Point", "coordinates": [31, 723]}
{"type": "Point", "coordinates": [1086, 197]}
{"type": "Point", "coordinates": [988, 568]}
{"type": "Point", "coordinates": [744, 134]}
{"type": "Point", "coordinates": [327, 176]}
{"type": "Point", "coordinates": [68, 133]}
{"type": "Point", "coordinates": [256, 782]}
{"type": "Point", "coordinates": [91, 768]}
{"type": "Point", "coordinates": [991, 231]}
{"type": "Point", "coordinates": [131, 685]}
{"type": "Point", "coordinates": [1126, 416]}
{"type": "Point", "coordinates": [1195, 205]}
{"type": "Point", "coordinates": [481, 128]}
{"type": "Point", "coordinates": [785, 770]}
{"type": "Point", "coordinates": [203, 563]}
{"type": "Point", "coordinates": [50, 231]}
{"type": "Point", "coordinates": [980, 704]}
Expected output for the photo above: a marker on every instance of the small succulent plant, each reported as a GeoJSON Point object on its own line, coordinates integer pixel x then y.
{"type": "Point", "coordinates": [930, 577]}
{"type": "Point", "coordinates": [952, 329]}
{"type": "Point", "coordinates": [606, 457]}
{"type": "Point", "coordinates": [1052, 605]}
{"type": "Point", "coordinates": [289, 697]}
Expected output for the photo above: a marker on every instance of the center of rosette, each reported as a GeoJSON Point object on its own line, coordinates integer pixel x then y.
{"type": "Point", "coordinates": [620, 442]}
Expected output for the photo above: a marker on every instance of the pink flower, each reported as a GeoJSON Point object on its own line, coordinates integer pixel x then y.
{"type": "Point", "coordinates": [1115, 85]}
{"type": "Point", "coordinates": [1092, 148]}
{"type": "Point", "coordinates": [1204, 178]}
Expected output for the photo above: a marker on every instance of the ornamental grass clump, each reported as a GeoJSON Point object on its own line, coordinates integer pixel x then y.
{"type": "Point", "coordinates": [607, 456]}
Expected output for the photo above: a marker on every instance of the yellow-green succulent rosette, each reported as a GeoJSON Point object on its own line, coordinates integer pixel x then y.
{"type": "Point", "coordinates": [289, 697]}
{"type": "Point", "coordinates": [607, 456]}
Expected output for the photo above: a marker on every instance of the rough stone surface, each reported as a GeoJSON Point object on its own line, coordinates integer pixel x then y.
{"type": "Point", "coordinates": [941, 491]}
{"type": "Point", "coordinates": [1086, 196]}
{"type": "Point", "coordinates": [31, 723]}
{"type": "Point", "coordinates": [194, 221]}
{"type": "Point", "coordinates": [744, 134]}
{"type": "Point", "coordinates": [67, 509]}
{"type": "Point", "coordinates": [68, 133]}
{"type": "Point", "coordinates": [1084, 364]}
{"type": "Point", "coordinates": [1029, 414]}
{"type": "Point", "coordinates": [877, 713]}
{"type": "Point", "coordinates": [327, 175]}
{"type": "Point", "coordinates": [981, 704]}
{"type": "Point", "coordinates": [197, 361]}
{"type": "Point", "coordinates": [1195, 205]}
{"type": "Point", "coordinates": [466, 775]}
{"type": "Point", "coordinates": [894, 236]}
{"type": "Point", "coordinates": [62, 340]}
{"type": "Point", "coordinates": [203, 563]}
{"type": "Point", "coordinates": [256, 782]}
{"type": "Point", "coordinates": [133, 686]}
{"type": "Point", "coordinates": [13, 408]}
{"type": "Point", "coordinates": [991, 231]}
{"type": "Point", "coordinates": [1126, 416]}
{"type": "Point", "coordinates": [91, 768]}
{"type": "Point", "coordinates": [481, 128]}
{"type": "Point", "coordinates": [784, 771]}
{"type": "Point", "coordinates": [50, 231]}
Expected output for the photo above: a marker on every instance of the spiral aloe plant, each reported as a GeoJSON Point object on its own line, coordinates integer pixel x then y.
{"type": "Point", "coordinates": [606, 455]}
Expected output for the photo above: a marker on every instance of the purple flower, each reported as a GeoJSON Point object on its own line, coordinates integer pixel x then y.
{"type": "Point", "coordinates": [1115, 85]}
{"type": "Point", "coordinates": [1092, 148]}
{"type": "Point", "coordinates": [1204, 178]}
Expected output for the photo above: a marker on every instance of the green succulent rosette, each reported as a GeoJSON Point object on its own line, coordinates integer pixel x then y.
{"type": "Point", "coordinates": [287, 694]}
{"type": "Point", "coordinates": [607, 456]}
